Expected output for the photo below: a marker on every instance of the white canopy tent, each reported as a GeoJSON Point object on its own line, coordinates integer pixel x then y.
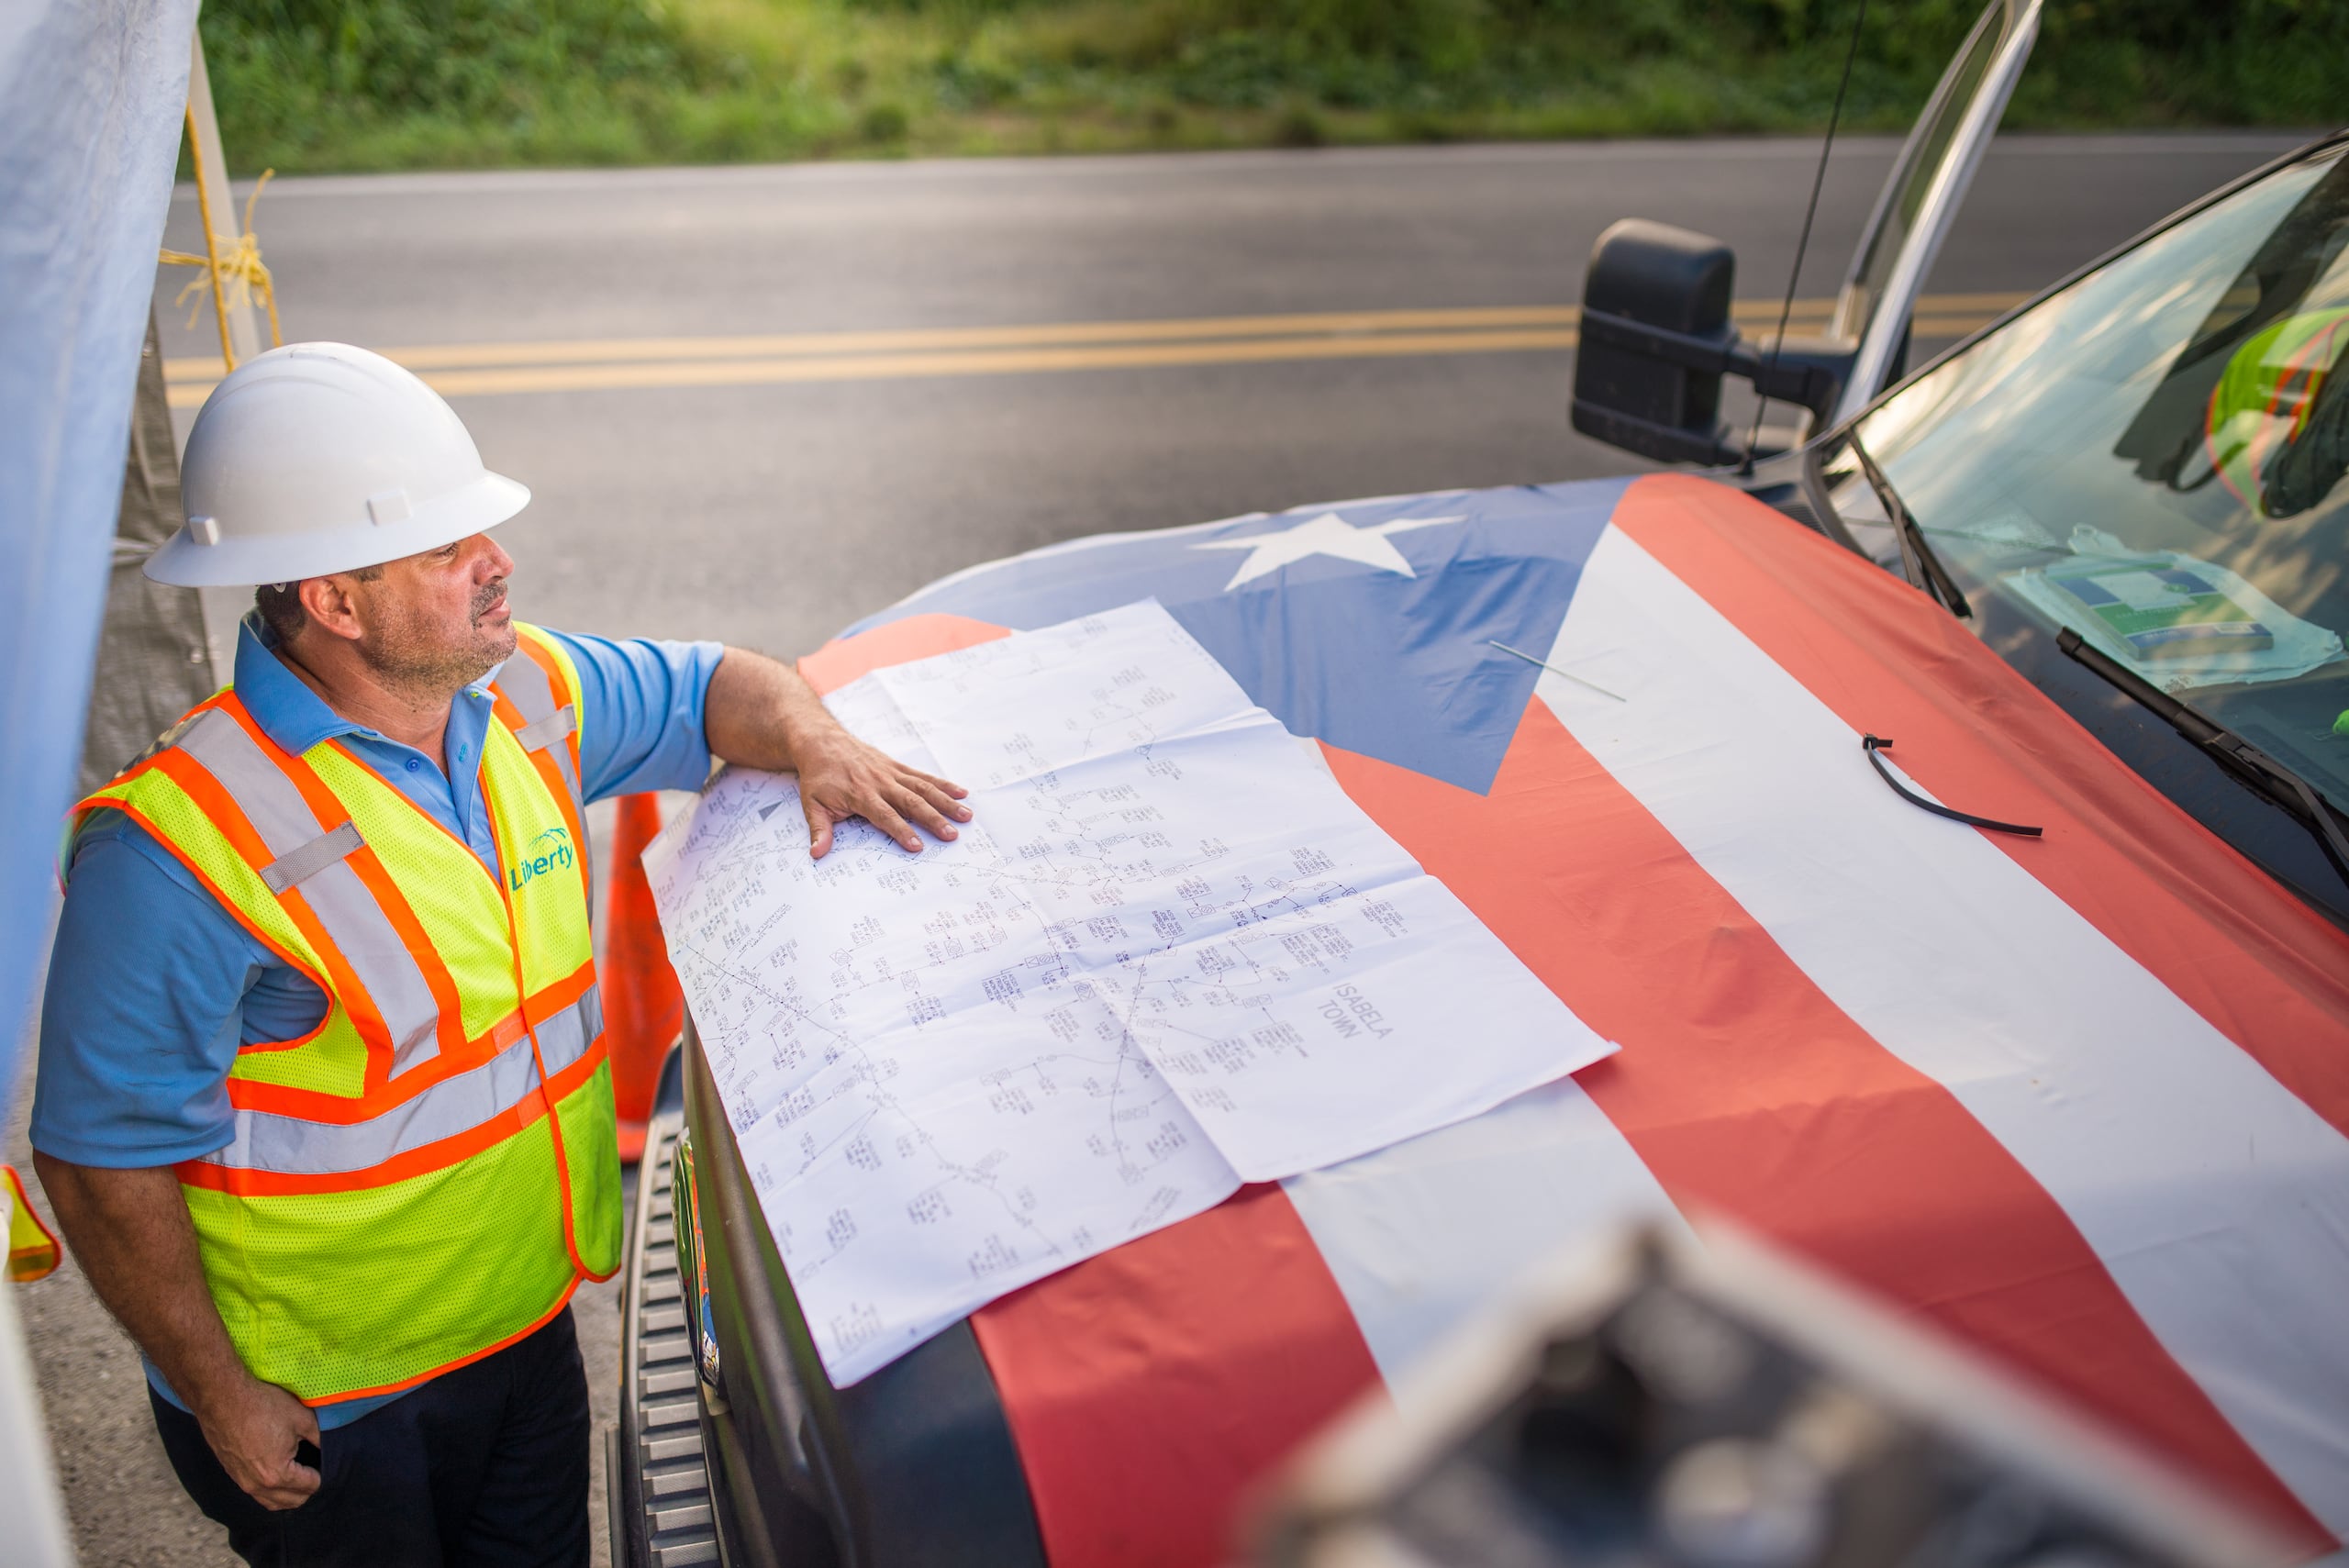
{"type": "Point", "coordinates": [92, 97]}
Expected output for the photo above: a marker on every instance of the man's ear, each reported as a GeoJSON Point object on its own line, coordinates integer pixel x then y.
{"type": "Point", "coordinates": [327, 601]}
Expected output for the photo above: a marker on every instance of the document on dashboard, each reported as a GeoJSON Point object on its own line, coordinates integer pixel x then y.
{"type": "Point", "coordinates": [1168, 955]}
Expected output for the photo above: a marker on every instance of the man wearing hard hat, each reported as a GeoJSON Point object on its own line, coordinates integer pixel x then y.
{"type": "Point", "coordinates": [323, 1107]}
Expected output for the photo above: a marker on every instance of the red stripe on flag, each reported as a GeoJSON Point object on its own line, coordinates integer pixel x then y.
{"type": "Point", "coordinates": [2263, 968]}
{"type": "Point", "coordinates": [844, 659]}
{"type": "Point", "coordinates": [1150, 1388]}
{"type": "Point", "coordinates": [1745, 1088]}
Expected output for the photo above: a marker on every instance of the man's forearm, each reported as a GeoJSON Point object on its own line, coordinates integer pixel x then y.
{"type": "Point", "coordinates": [761, 713]}
{"type": "Point", "coordinates": [758, 711]}
{"type": "Point", "coordinates": [130, 1232]}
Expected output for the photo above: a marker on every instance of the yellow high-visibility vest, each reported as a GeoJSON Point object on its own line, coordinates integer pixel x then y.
{"type": "Point", "coordinates": [2261, 405]}
{"type": "Point", "coordinates": [32, 1251]}
{"type": "Point", "coordinates": [426, 1175]}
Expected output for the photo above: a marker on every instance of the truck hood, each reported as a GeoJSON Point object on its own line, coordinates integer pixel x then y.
{"type": "Point", "coordinates": [2079, 1099]}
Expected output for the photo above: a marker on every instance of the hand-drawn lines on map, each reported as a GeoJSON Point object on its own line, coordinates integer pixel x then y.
{"type": "Point", "coordinates": [1099, 685]}
{"type": "Point", "coordinates": [1168, 954]}
{"type": "Point", "coordinates": [784, 1033]}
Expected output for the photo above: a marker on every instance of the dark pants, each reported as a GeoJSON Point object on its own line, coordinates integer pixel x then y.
{"type": "Point", "coordinates": [482, 1467]}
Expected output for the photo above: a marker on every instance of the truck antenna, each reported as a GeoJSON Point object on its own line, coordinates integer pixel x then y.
{"type": "Point", "coordinates": [1793, 274]}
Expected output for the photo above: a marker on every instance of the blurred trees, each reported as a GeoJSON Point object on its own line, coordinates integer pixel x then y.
{"type": "Point", "coordinates": [400, 82]}
{"type": "Point", "coordinates": [303, 74]}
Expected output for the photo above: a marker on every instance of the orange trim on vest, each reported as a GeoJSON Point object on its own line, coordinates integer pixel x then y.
{"type": "Point", "coordinates": [376, 878]}
{"type": "Point", "coordinates": [344, 1110]}
{"type": "Point", "coordinates": [558, 682]}
{"type": "Point", "coordinates": [423, 1377]}
{"type": "Point", "coordinates": [315, 1105]}
{"type": "Point", "coordinates": [503, 708]}
{"type": "Point", "coordinates": [554, 998]}
{"type": "Point", "coordinates": [559, 687]}
{"type": "Point", "coordinates": [220, 808]}
{"type": "Point", "coordinates": [292, 961]}
{"type": "Point", "coordinates": [204, 879]}
{"type": "Point", "coordinates": [381, 1094]}
{"type": "Point", "coordinates": [450, 1150]}
{"type": "Point", "coordinates": [546, 1098]}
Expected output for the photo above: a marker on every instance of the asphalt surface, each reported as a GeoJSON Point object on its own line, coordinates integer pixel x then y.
{"type": "Point", "coordinates": [772, 505]}
{"type": "Point", "coordinates": [773, 514]}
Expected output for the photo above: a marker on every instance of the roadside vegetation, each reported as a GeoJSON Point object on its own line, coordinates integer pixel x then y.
{"type": "Point", "coordinates": [345, 84]}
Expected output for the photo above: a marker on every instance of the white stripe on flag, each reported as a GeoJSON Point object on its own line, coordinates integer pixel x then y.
{"type": "Point", "coordinates": [2218, 1200]}
{"type": "Point", "coordinates": [1422, 1235]}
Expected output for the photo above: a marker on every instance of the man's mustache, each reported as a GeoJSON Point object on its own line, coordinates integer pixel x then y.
{"type": "Point", "coordinates": [491, 594]}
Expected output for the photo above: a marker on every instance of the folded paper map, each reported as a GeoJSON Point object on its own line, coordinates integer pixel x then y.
{"type": "Point", "coordinates": [1167, 956]}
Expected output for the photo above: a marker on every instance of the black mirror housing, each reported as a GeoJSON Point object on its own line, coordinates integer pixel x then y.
{"type": "Point", "coordinates": [1659, 276]}
{"type": "Point", "coordinates": [1656, 340]}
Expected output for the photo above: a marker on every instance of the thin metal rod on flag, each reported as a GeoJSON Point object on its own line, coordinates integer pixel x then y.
{"type": "Point", "coordinates": [1545, 665]}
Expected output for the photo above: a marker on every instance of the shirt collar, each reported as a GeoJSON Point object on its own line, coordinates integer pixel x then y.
{"type": "Point", "coordinates": [287, 710]}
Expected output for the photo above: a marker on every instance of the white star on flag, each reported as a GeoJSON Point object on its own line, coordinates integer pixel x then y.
{"type": "Point", "coordinates": [1328, 534]}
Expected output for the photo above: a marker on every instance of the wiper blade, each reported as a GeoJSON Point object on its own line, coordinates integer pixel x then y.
{"type": "Point", "coordinates": [1918, 562]}
{"type": "Point", "coordinates": [2243, 762]}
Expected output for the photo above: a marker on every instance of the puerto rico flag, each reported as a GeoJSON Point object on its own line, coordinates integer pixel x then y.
{"type": "Point", "coordinates": [2079, 1100]}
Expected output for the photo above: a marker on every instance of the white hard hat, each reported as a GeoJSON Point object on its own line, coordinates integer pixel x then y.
{"type": "Point", "coordinates": [320, 457]}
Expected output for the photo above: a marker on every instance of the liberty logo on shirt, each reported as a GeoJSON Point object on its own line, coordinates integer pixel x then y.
{"type": "Point", "coordinates": [549, 850]}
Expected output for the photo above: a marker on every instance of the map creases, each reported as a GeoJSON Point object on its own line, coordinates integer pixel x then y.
{"type": "Point", "coordinates": [1168, 954]}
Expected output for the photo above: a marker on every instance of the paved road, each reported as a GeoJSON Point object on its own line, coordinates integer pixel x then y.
{"type": "Point", "coordinates": [680, 493]}
{"type": "Point", "coordinates": [773, 514]}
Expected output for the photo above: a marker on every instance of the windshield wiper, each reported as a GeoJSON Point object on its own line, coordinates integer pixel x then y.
{"type": "Point", "coordinates": [2245, 762]}
{"type": "Point", "coordinates": [1917, 561]}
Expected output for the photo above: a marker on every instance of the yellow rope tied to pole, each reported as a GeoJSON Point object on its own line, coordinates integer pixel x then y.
{"type": "Point", "coordinates": [235, 276]}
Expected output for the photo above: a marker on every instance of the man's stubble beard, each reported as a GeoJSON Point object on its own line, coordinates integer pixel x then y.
{"type": "Point", "coordinates": [408, 654]}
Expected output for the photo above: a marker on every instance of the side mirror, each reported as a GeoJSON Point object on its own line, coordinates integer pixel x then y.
{"type": "Point", "coordinates": [1651, 274]}
{"type": "Point", "coordinates": [1656, 340]}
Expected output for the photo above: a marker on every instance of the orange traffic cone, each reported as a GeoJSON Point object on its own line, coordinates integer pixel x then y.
{"type": "Point", "coordinates": [644, 1010]}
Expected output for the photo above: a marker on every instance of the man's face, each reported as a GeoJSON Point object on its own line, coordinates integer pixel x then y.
{"type": "Point", "coordinates": [434, 623]}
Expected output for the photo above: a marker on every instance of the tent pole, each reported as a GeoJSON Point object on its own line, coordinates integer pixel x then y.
{"type": "Point", "coordinates": [240, 333]}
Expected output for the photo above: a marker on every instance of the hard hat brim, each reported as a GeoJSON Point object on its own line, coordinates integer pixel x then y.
{"type": "Point", "coordinates": [185, 562]}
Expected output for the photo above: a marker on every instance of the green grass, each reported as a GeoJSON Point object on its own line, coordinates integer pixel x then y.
{"type": "Point", "coordinates": [345, 84]}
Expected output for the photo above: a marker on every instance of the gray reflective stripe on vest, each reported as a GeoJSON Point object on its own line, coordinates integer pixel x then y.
{"type": "Point", "coordinates": [354, 921]}
{"type": "Point", "coordinates": [540, 733]}
{"type": "Point", "coordinates": [520, 682]}
{"type": "Point", "coordinates": [292, 870]}
{"type": "Point", "coordinates": [523, 683]}
{"type": "Point", "coordinates": [293, 1146]}
{"type": "Point", "coordinates": [564, 1038]}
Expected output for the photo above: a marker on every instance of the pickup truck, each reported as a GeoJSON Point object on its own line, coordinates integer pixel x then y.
{"type": "Point", "coordinates": [1940, 802]}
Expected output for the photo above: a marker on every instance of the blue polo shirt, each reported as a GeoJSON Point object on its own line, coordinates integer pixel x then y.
{"type": "Point", "coordinates": [153, 985]}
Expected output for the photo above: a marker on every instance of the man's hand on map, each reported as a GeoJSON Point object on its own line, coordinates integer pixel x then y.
{"type": "Point", "coordinates": [759, 713]}
{"type": "Point", "coordinates": [841, 777]}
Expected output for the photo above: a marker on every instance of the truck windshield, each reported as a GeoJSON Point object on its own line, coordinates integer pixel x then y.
{"type": "Point", "coordinates": [2155, 458]}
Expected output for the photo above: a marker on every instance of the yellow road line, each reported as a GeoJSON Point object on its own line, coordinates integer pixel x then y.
{"type": "Point", "coordinates": [456, 356]}
{"type": "Point", "coordinates": [1926, 329]}
{"type": "Point", "coordinates": [1983, 305]}
{"type": "Point", "coordinates": [459, 356]}
{"type": "Point", "coordinates": [493, 369]}
{"type": "Point", "coordinates": [954, 362]}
